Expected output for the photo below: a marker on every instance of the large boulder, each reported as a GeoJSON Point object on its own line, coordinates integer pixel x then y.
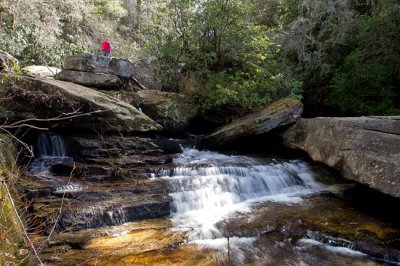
{"type": "Point", "coordinates": [98, 64]}
{"type": "Point", "coordinates": [173, 111]}
{"type": "Point", "coordinates": [279, 113]}
{"type": "Point", "coordinates": [90, 79]}
{"type": "Point", "coordinates": [46, 98]}
{"type": "Point", "coordinates": [41, 71]}
{"type": "Point", "coordinates": [364, 149]}
{"type": "Point", "coordinates": [145, 73]}
{"type": "Point", "coordinates": [8, 63]}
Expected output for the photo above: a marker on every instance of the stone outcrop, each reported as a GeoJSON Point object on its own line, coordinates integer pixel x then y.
{"type": "Point", "coordinates": [173, 111]}
{"type": "Point", "coordinates": [98, 64]}
{"type": "Point", "coordinates": [279, 113]}
{"type": "Point", "coordinates": [90, 79]}
{"type": "Point", "coordinates": [91, 70]}
{"type": "Point", "coordinates": [364, 149]}
{"type": "Point", "coordinates": [41, 71]}
{"type": "Point", "coordinates": [36, 98]}
{"type": "Point", "coordinates": [108, 184]}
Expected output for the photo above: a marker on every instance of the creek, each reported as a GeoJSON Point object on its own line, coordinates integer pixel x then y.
{"type": "Point", "coordinates": [200, 207]}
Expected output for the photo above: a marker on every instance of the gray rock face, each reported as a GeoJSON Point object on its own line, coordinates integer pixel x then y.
{"type": "Point", "coordinates": [280, 113]}
{"type": "Point", "coordinates": [34, 98]}
{"type": "Point", "coordinates": [143, 70]}
{"type": "Point", "coordinates": [173, 111]}
{"type": "Point", "coordinates": [98, 64]}
{"type": "Point", "coordinates": [364, 149]}
{"type": "Point", "coordinates": [97, 80]}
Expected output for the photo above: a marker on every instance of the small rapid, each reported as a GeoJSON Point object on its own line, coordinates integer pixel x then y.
{"type": "Point", "coordinates": [208, 186]}
{"type": "Point", "coordinates": [50, 150]}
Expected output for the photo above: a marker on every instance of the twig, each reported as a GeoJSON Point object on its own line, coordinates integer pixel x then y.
{"type": "Point", "coordinates": [59, 212]}
{"type": "Point", "coordinates": [18, 140]}
{"type": "Point", "coordinates": [58, 118]}
{"type": "Point", "coordinates": [22, 224]}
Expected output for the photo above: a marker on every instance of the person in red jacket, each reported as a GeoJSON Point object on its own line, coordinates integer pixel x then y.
{"type": "Point", "coordinates": [106, 48]}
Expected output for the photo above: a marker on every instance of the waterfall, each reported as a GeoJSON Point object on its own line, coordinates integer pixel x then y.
{"type": "Point", "coordinates": [50, 150]}
{"type": "Point", "coordinates": [51, 145]}
{"type": "Point", "coordinates": [208, 186]}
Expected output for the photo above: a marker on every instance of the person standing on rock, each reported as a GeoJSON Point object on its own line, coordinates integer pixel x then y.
{"type": "Point", "coordinates": [106, 48]}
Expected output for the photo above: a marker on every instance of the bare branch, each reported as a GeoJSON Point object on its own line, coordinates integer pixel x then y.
{"type": "Point", "coordinates": [59, 212]}
{"type": "Point", "coordinates": [21, 223]}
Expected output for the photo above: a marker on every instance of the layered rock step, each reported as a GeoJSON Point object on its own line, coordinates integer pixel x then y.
{"type": "Point", "coordinates": [108, 183]}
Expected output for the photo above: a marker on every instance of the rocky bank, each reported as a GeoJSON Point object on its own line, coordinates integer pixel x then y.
{"type": "Point", "coordinates": [363, 149]}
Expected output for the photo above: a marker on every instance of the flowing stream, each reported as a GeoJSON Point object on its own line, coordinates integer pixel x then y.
{"type": "Point", "coordinates": [225, 210]}
{"type": "Point", "coordinates": [209, 186]}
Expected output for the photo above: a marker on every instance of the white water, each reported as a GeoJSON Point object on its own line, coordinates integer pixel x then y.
{"type": "Point", "coordinates": [209, 186]}
{"type": "Point", "coordinates": [51, 150]}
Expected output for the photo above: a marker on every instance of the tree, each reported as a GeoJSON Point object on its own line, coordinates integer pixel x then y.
{"type": "Point", "coordinates": [233, 60]}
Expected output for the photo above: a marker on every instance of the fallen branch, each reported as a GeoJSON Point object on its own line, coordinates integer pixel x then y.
{"type": "Point", "coordinates": [62, 117]}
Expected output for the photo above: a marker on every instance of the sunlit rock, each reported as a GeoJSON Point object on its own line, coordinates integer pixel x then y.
{"type": "Point", "coordinates": [280, 113]}
{"type": "Point", "coordinates": [41, 71]}
{"type": "Point", "coordinates": [34, 98]}
{"type": "Point", "coordinates": [89, 79]}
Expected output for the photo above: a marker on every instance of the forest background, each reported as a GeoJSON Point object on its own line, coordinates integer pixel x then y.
{"type": "Point", "coordinates": [341, 57]}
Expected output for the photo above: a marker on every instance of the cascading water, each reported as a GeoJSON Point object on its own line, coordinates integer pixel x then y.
{"type": "Point", "coordinates": [208, 187]}
{"type": "Point", "coordinates": [51, 150]}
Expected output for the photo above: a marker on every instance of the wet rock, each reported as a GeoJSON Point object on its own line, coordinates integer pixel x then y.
{"type": "Point", "coordinates": [35, 98]}
{"type": "Point", "coordinates": [142, 243]}
{"type": "Point", "coordinates": [89, 79]}
{"type": "Point", "coordinates": [109, 183]}
{"type": "Point", "coordinates": [41, 71]}
{"type": "Point", "coordinates": [324, 219]}
{"type": "Point", "coordinates": [280, 113]}
{"type": "Point", "coordinates": [91, 146]}
{"type": "Point", "coordinates": [364, 149]}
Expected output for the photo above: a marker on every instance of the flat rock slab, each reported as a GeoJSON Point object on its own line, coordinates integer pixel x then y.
{"type": "Point", "coordinates": [98, 64]}
{"type": "Point", "coordinates": [279, 113]}
{"type": "Point", "coordinates": [97, 80]}
{"type": "Point", "coordinates": [364, 149]}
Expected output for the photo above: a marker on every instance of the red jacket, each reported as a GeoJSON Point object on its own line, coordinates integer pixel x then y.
{"type": "Point", "coordinates": [105, 46]}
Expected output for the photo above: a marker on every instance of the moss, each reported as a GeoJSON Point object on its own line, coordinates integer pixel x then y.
{"type": "Point", "coordinates": [11, 233]}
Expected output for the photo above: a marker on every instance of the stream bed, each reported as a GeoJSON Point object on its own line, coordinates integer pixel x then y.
{"type": "Point", "coordinates": [223, 210]}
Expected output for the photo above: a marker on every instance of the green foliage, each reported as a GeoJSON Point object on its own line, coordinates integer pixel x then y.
{"type": "Point", "coordinates": [11, 233]}
{"type": "Point", "coordinates": [345, 52]}
{"type": "Point", "coordinates": [29, 45]}
{"type": "Point", "coordinates": [365, 83]}
{"type": "Point", "coordinates": [235, 60]}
